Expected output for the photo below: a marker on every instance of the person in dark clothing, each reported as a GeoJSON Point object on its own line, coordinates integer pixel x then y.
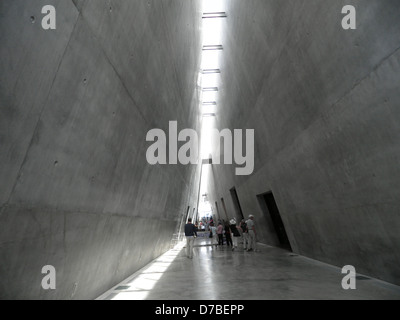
{"type": "Point", "coordinates": [235, 233]}
{"type": "Point", "coordinates": [245, 234]}
{"type": "Point", "coordinates": [228, 234]}
{"type": "Point", "coordinates": [191, 234]}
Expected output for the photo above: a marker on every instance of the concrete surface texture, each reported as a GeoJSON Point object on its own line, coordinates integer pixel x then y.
{"type": "Point", "coordinates": [76, 104]}
{"type": "Point", "coordinates": [324, 105]}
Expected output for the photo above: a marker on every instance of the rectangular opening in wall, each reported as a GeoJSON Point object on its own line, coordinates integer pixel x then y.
{"type": "Point", "coordinates": [224, 207]}
{"type": "Point", "coordinates": [216, 207]}
{"type": "Point", "coordinates": [188, 214]}
{"type": "Point", "coordinates": [236, 203]}
{"type": "Point", "coordinates": [194, 216]}
{"type": "Point", "coordinates": [271, 212]}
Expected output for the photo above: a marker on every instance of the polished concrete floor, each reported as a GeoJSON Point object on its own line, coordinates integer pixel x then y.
{"type": "Point", "coordinates": [220, 274]}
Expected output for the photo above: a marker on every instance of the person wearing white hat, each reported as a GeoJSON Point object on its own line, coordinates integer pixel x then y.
{"type": "Point", "coordinates": [235, 233]}
{"type": "Point", "coordinates": [252, 234]}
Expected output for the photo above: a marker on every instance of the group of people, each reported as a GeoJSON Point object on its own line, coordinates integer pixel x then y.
{"type": "Point", "coordinates": [232, 231]}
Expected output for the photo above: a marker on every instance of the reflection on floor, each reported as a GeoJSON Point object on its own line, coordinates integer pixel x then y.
{"type": "Point", "coordinates": [223, 274]}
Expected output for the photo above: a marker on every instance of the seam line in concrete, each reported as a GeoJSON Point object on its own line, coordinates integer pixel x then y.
{"type": "Point", "coordinates": [56, 210]}
{"type": "Point", "coordinates": [347, 93]}
{"type": "Point", "coordinates": [122, 81]}
{"type": "Point", "coordinates": [359, 82]}
{"type": "Point", "coordinates": [74, 4]}
{"type": "Point", "coordinates": [40, 116]}
{"type": "Point", "coordinates": [173, 61]}
{"type": "Point", "coordinates": [114, 69]}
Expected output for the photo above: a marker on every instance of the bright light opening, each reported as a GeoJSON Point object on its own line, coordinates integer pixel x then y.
{"type": "Point", "coordinates": [214, 17]}
{"type": "Point", "coordinates": [205, 209]}
{"type": "Point", "coordinates": [206, 137]}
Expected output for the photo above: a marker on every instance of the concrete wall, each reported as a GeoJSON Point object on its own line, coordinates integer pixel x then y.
{"type": "Point", "coordinates": [324, 103]}
{"type": "Point", "coordinates": [76, 104]}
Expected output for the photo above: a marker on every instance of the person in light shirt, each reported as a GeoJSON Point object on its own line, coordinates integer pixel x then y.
{"type": "Point", "coordinates": [214, 236]}
{"type": "Point", "coordinates": [235, 233]}
{"type": "Point", "coordinates": [220, 232]}
{"type": "Point", "coordinates": [252, 246]}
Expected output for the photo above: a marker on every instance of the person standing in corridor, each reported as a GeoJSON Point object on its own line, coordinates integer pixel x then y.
{"type": "Point", "coordinates": [191, 234]}
{"type": "Point", "coordinates": [235, 233]}
{"type": "Point", "coordinates": [213, 235]}
{"type": "Point", "coordinates": [251, 234]}
{"type": "Point", "coordinates": [245, 234]}
{"type": "Point", "coordinates": [228, 235]}
{"type": "Point", "coordinates": [220, 232]}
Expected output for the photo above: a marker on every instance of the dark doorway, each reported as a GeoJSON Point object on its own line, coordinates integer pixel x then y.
{"type": "Point", "coordinates": [223, 205]}
{"type": "Point", "coordinates": [188, 214]}
{"type": "Point", "coordinates": [269, 207]}
{"type": "Point", "coordinates": [194, 218]}
{"type": "Point", "coordinates": [236, 203]}
{"type": "Point", "coordinates": [216, 206]}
